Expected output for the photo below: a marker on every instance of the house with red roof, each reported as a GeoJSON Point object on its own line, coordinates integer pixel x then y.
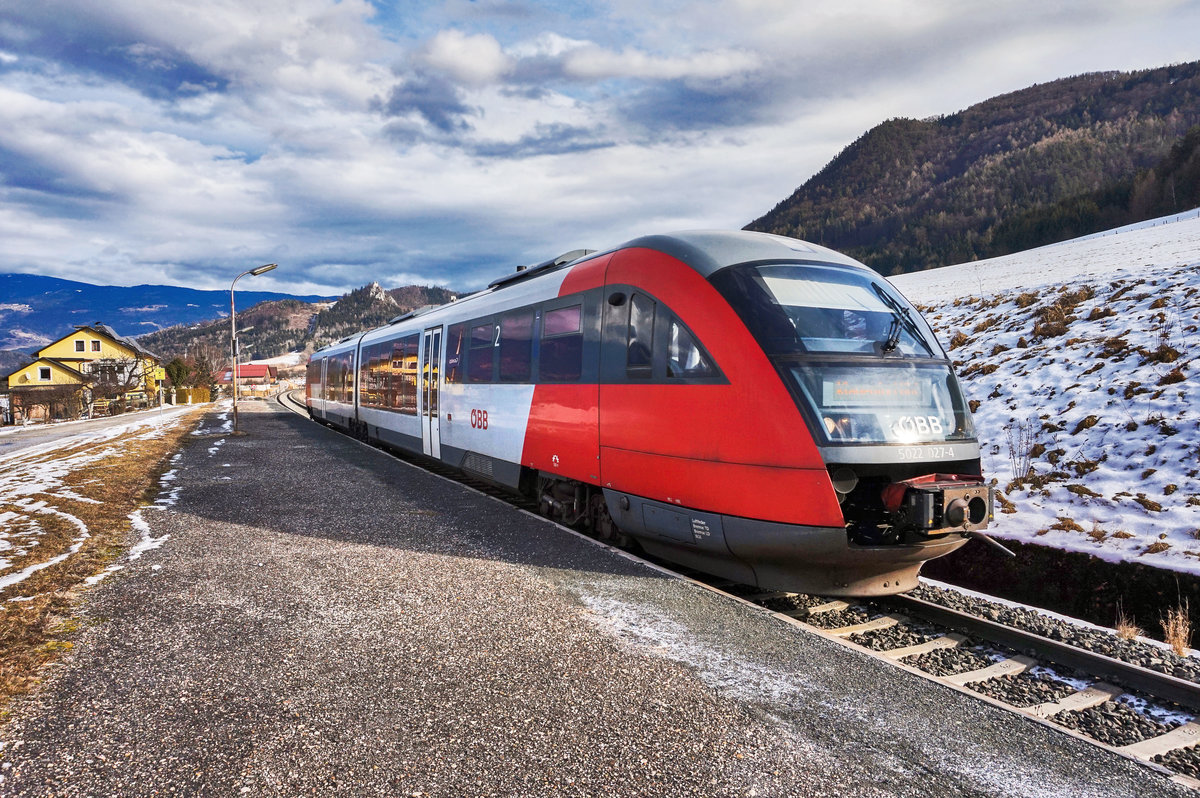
{"type": "Point", "coordinates": [254, 379]}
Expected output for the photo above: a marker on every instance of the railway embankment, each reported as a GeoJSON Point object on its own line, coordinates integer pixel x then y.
{"type": "Point", "coordinates": [322, 618]}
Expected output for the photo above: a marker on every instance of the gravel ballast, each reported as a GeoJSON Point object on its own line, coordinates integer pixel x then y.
{"type": "Point", "coordinates": [326, 620]}
{"type": "Point", "coordinates": [1115, 723]}
{"type": "Point", "coordinates": [1024, 689]}
{"type": "Point", "coordinates": [1101, 641]}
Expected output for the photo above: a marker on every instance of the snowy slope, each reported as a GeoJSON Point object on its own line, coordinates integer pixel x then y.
{"type": "Point", "coordinates": [1080, 359]}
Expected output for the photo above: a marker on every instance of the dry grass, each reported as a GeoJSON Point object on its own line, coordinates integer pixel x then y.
{"type": "Point", "coordinates": [1066, 524]}
{"type": "Point", "coordinates": [35, 630]}
{"type": "Point", "coordinates": [1172, 377]}
{"type": "Point", "coordinates": [1148, 504]}
{"type": "Point", "coordinates": [1177, 629]}
{"type": "Point", "coordinates": [1125, 627]}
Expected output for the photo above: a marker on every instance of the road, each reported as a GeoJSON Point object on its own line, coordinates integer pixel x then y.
{"type": "Point", "coordinates": [13, 439]}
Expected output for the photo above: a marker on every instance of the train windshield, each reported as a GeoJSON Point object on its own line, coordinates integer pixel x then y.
{"type": "Point", "coordinates": [864, 365]}
{"type": "Point", "coordinates": [843, 310]}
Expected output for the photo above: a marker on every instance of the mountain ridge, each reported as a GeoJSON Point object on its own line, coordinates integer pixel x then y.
{"type": "Point", "coordinates": [912, 194]}
{"type": "Point", "coordinates": [36, 309]}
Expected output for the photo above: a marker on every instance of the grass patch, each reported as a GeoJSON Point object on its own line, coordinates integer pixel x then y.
{"type": "Point", "coordinates": [1148, 504]}
{"type": "Point", "coordinates": [37, 629]}
{"type": "Point", "coordinates": [1177, 629]}
{"type": "Point", "coordinates": [1066, 525]}
{"type": "Point", "coordinates": [1126, 627]}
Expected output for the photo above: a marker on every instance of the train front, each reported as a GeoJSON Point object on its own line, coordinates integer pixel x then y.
{"type": "Point", "coordinates": [882, 404]}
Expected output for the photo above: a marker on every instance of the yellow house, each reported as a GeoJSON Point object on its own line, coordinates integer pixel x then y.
{"type": "Point", "coordinates": [90, 368]}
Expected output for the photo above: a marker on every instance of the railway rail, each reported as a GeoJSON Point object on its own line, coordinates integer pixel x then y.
{"type": "Point", "coordinates": [923, 631]}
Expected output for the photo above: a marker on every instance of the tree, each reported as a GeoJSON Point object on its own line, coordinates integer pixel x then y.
{"type": "Point", "coordinates": [202, 374]}
{"type": "Point", "coordinates": [113, 377]}
{"type": "Point", "coordinates": [178, 372]}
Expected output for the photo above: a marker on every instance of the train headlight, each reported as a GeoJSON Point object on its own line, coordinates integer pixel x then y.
{"type": "Point", "coordinates": [844, 481]}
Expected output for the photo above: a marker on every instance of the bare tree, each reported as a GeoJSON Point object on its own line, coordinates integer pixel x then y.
{"type": "Point", "coordinates": [113, 378]}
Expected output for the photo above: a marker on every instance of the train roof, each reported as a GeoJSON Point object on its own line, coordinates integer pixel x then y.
{"type": "Point", "coordinates": [706, 251]}
{"type": "Point", "coordinates": [709, 251]}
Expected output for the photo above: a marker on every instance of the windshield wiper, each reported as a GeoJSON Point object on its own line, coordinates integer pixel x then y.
{"type": "Point", "coordinates": [893, 339]}
{"type": "Point", "coordinates": [900, 317]}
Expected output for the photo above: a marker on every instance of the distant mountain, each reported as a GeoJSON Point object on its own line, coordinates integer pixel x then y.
{"type": "Point", "coordinates": [271, 329]}
{"type": "Point", "coordinates": [1046, 163]}
{"type": "Point", "coordinates": [36, 310]}
{"type": "Point", "coordinates": [371, 306]}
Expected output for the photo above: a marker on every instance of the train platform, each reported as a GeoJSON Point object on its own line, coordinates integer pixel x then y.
{"type": "Point", "coordinates": [324, 619]}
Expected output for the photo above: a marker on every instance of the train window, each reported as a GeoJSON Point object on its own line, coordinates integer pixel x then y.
{"type": "Point", "coordinates": [454, 352]}
{"type": "Point", "coordinates": [373, 385]}
{"type": "Point", "coordinates": [404, 375]}
{"type": "Point", "coordinates": [561, 354]}
{"type": "Point", "coordinates": [843, 310]}
{"type": "Point", "coordinates": [363, 363]}
{"type": "Point", "coordinates": [346, 371]}
{"type": "Point", "coordinates": [640, 350]}
{"type": "Point", "coordinates": [516, 346]}
{"type": "Point", "coordinates": [479, 361]}
{"type": "Point", "coordinates": [684, 356]}
{"type": "Point", "coordinates": [341, 378]}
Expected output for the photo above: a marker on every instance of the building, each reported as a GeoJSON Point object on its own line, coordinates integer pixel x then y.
{"type": "Point", "coordinates": [254, 379]}
{"type": "Point", "coordinates": [91, 370]}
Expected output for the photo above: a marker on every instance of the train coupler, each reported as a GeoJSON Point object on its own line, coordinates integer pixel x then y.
{"type": "Point", "coordinates": [937, 504]}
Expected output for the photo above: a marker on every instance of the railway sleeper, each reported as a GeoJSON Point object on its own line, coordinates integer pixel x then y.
{"type": "Point", "coordinates": [882, 622]}
{"type": "Point", "coordinates": [1006, 667]}
{"type": "Point", "coordinates": [1087, 698]}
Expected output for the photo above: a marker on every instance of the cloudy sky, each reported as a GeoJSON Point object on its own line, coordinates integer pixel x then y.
{"type": "Point", "coordinates": [184, 141]}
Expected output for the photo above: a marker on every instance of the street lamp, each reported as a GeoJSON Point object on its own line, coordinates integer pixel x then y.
{"type": "Point", "coordinates": [233, 341]}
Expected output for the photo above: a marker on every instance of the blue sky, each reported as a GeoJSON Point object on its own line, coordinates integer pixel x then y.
{"type": "Point", "coordinates": [181, 142]}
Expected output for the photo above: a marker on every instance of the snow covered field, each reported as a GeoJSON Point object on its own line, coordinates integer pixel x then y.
{"type": "Point", "coordinates": [1080, 359]}
{"type": "Point", "coordinates": [36, 483]}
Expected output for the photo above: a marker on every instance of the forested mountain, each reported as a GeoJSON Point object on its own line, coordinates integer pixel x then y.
{"type": "Point", "coordinates": [371, 306]}
{"type": "Point", "coordinates": [1042, 164]}
{"type": "Point", "coordinates": [270, 329]}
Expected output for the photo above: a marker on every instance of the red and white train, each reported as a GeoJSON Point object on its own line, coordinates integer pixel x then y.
{"type": "Point", "coordinates": [751, 406]}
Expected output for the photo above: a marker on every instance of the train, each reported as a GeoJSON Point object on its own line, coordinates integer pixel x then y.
{"type": "Point", "coordinates": [754, 407]}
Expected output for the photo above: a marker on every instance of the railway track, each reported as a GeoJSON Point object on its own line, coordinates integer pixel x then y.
{"type": "Point", "coordinates": [1135, 712]}
{"type": "Point", "coordinates": [1114, 704]}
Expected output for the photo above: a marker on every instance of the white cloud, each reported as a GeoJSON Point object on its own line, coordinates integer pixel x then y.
{"type": "Point", "coordinates": [595, 63]}
{"type": "Point", "coordinates": [474, 59]}
{"type": "Point", "coordinates": [276, 150]}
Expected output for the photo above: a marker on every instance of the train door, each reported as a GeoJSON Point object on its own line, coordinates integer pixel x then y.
{"type": "Point", "coordinates": [431, 355]}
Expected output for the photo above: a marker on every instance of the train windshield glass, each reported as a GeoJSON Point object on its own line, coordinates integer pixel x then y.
{"type": "Point", "coordinates": [796, 307]}
{"type": "Point", "coordinates": [898, 402]}
{"type": "Point", "coordinates": [843, 310]}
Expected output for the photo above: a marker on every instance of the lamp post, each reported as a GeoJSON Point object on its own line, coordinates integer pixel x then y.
{"type": "Point", "coordinates": [233, 341]}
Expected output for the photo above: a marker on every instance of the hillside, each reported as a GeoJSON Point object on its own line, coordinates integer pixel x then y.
{"type": "Point", "coordinates": [1058, 159]}
{"type": "Point", "coordinates": [270, 329]}
{"type": "Point", "coordinates": [1080, 361]}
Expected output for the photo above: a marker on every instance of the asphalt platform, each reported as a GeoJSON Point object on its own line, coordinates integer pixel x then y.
{"type": "Point", "coordinates": [325, 619]}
